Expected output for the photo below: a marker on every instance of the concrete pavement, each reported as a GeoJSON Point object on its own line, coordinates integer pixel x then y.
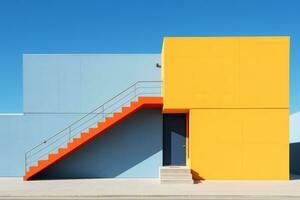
{"type": "Point", "coordinates": [16, 188]}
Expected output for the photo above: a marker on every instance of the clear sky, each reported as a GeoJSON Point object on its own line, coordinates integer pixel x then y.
{"type": "Point", "coordinates": [132, 26]}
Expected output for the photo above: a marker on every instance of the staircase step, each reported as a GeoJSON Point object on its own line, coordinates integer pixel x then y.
{"type": "Point", "coordinates": [83, 135]}
{"type": "Point", "coordinates": [133, 103]}
{"type": "Point", "coordinates": [71, 145]}
{"type": "Point", "coordinates": [101, 124]}
{"type": "Point", "coordinates": [176, 181]}
{"type": "Point", "coordinates": [176, 176]}
{"type": "Point", "coordinates": [93, 131]}
{"type": "Point", "coordinates": [175, 169]}
{"type": "Point", "coordinates": [76, 140]}
{"type": "Point", "coordinates": [117, 114]}
{"type": "Point", "coordinates": [125, 109]}
{"type": "Point", "coordinates": [42, 162]}
{"type": "Point", "coordinates": [32, 168]}
{"type": "Point", "coordinates": [51, 156]}
{"type": "Point", "coordinates": [109, 119]}
{"type": "Point", "coordinates": [61, 150]}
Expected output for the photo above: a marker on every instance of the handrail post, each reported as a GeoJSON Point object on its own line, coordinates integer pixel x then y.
{"type": "Point", "coordinates": [69, 133]}
{"type": "Point", "coordinates": [134, 91]}
{"type": "Point", "coordinates": [103, 114]}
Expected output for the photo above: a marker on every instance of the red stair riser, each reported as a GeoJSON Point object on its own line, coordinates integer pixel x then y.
{"type": "Point", "coordinates": [118, 115]}
{"type": "Point", "coordinates": [32, 168]}
{"type": "Point", "coordinates": [125, 109]}
{"type": "Point", "coordinates": [75, 140]}
{"type": "Point", "coordinates": [42, 162]}
{"type": "Point", "coordinates": [92, 131]}
{"type": "Point", "coordinates": [71, 145]}
{"type": "Point", "coordinates": [100, 124]}
{"type": "Point", "coordinates": [133, 104]}
{"type": "Point", "coordinates": [83, 134]}
{"type": "Point", "coordinates": [51, 156]}
{"type": "Point", "coordinates": [61, 150]}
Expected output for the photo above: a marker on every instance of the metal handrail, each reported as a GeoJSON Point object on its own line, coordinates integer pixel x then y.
{"type": "Point", "coordinates": [61, 134]}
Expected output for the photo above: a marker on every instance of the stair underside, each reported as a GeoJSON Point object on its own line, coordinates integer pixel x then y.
{"type": "Point", "coordinates": [143, 102]}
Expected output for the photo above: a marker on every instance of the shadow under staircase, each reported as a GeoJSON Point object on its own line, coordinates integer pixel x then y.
{"type": "Point", "coordinates": [142, 94]}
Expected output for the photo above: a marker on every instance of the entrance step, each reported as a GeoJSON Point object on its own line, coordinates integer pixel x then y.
{"type": "Point", "coordinates": [175, 175]}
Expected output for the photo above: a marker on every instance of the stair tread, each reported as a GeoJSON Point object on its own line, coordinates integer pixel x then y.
{"type": "Point", "coordinates": [51, 155]}
{"type": "Point", "coordinates": [188, 179]}
{"type": "Point", "coordinates": [176, 175]}
{"type": "Point", "coordinates": [41, 162]}
{"type": "Point", "coordinates": [177, 181]}
{"type": "Point", "coordinates": [76, 139]}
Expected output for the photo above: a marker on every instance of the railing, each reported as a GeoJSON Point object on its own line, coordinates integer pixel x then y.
{"type": "Point", "coordinates": [115, 104]}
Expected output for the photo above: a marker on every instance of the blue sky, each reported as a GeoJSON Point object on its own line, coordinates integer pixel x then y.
{"type": "Point", "coordinates": [132, 26]}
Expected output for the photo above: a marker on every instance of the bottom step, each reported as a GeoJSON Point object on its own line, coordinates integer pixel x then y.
{"type": "Point", "coordinates": [176, 181]}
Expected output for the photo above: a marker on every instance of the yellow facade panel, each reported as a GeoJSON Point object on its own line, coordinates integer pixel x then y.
{"type": "Point", "coordinates": [265, 126]}
{"type": "Point", "coordinates": [225, 72]}
{"type": "Point", "coordinates": [227, 144]}
{"type": "Point", "coordinates": [266, 161]}
{"type": "Point", "coordinates": [264, 72]}
{"type": "Point", "coordinates": [216, 161]}
{"type": "Point", "coordinates": [216, 126]}
{"type": "Point", "coordinates": [196, 71]}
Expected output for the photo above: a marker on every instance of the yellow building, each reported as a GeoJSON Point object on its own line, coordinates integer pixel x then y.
{"type": "Point", "coordinates": [236, 93]}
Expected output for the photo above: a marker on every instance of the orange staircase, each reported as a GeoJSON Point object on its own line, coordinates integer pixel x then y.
{"type": "Point", "coordinates": [142, 102]}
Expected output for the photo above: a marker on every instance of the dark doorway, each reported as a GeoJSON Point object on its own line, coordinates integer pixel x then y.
{"type": "Point", "coordinates": [174, 139]}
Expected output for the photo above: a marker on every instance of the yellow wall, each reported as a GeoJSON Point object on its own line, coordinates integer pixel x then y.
{"type": "Point", "coordinates": [236, 90]}
{"type": "Point", "coordinates": [239, 143]}
{"type": "Point", "coordinates": [225, 72]}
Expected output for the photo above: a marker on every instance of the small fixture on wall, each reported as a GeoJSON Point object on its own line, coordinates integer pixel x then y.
{"type": "Point", "coordinates": [158, 65]}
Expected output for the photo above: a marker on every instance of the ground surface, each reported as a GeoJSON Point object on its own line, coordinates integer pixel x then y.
{"type": "Point", "coordinates": [15, 188]}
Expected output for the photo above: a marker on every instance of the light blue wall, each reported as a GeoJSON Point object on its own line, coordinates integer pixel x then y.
{"type": "Point", "coordinates": [79, 83]}
{"type": "Point", "coordinates": [20, 133]}
{"type": "Point", "coordinates": [131, 149]}
{"type": "Point", "coordinates": [59, 89]}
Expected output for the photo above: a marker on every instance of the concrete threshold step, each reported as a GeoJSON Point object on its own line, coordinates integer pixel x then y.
{"type": "Point", "coordinates": [175, 170]}
{"type": "Point", "coordinates": [185, 176]}
{"type": "Point", "coordinates": [175, 175]}
{"type": "Point", "coordinates": [176, 181]}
